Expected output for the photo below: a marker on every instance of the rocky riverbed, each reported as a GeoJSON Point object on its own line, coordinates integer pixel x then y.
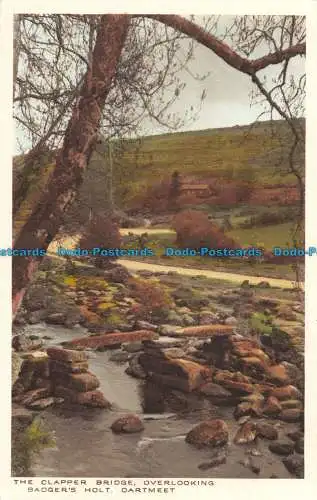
{"type": "Point", "coordinates": [197, 379]}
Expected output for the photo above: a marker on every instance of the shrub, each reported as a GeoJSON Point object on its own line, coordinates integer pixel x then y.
{"type": "Point", "coordinates": [195, 230]}
{"type": "Point", "coordinates": [27, 444]}
{"type": "Point", "coordinates": [154, 300]}
{"type": "Point", "coordinates": [103, 233]}
{"type": "Point", "coordinates": [271, 218]}
{"type": "Point", "coordinates": [244, 192]}
{"type": "Point", "coordinates": [155, 199]}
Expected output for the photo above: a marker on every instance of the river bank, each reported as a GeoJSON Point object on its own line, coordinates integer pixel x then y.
{"type": "Point", "coordinates": [167, 412]}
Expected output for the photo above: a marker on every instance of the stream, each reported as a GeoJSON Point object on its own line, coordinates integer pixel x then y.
{"type": "Point", "coordinates": [86, 446]}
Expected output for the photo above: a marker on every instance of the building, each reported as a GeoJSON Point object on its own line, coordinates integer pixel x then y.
{"type": "Point", "coordinates": [199, 190]}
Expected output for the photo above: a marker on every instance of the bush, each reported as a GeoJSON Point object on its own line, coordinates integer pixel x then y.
{"type": "Point", "coordinates": [155, 199]}
{"type": "Point", "coordinates": [195, 230]}
{"type": "Point", "coordinates": [271, 218]}
{"type": "Point", "coordinates": [101, 233]}
{"type": "Point", "coordinates": [154, 300]}
{"type": "Point", "coordinates": [27, 444]}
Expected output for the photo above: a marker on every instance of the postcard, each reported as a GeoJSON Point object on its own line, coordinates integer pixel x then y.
{"type": "Point", "coordinates": [158, 249]}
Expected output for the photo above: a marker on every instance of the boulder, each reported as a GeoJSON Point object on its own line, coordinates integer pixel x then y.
{"type": "Point", "coordinates": [118, 274]}
{"type": "Point", "coordinates": [41, 404]}
{"type": "Point", "coordinates": [174, 352]}
{"type": "Point", "coordinates": [246, 433]}
{"type": "Point", "coordinates": [169, 330]}
{"type": "Point", "coordinates": [253, 398]}
{"type": "Point", "coordinates": [291, 415]}
{"type": "Point", "coordinates": [237, 385]}
{"type": "Point", "coordinates": [286, 392]}
{"type": "Point", "coordinates": [207, 318]}
{"type": "Point", "coordinates": [188, 320]}
{"type": "Point", "coordinates": [55, 318]}
{"type": "Point", "coordinates": [93, 398]}
{"type": "Point", "coordinates": [253, 366]}
{"type": "Point", "coordinates": [133, 347]}
{"type": "Point", "coordinates": [80, 382]}
{"type": "Point", "coordinates": [209, 434]}
{"type": "Point", "coordinates": [272, 407]}
{"type": "Point", "coordinates": [23, 343]}
{"type": "Point", "coordinates": [21, 418]}
{"type": "Point", "coordinates": [291, 403]}
{"type": "Point", "coordinates": [120, 356]}
{"type": "Point", "coordinates": [282, 447]}
{"type": "Point", "coordinates": [31, 370]}
{"type": "Point", "coordinates": [174, 319]}
{"type": "Point", "coordinates": [135, 369]}
{"type": "Point", "coordinates": [299, 446]}
{"type": "Point", "coordinates": [127, 424]}
{"type": "Point", "coordinates": [266, 431]}
{"type": "Point", "coordinates": [60, 367]}
{"type": "Point", "coordinates": [66, 355]}
{"type": "Point", "coordinates": [215, 391]}
{"type": "Point", "coordinates": [278, 374]}
{"type": "Point", "coordinates": [295, 465]}
{"type": "Point", "coordinates": [245, 408]}
{"type": "Point", "coordinates": [145, 325]}
{"type": "Point", "coordinates": [36, 317]}
{"type": "Point", "coordinates": [263, 284]}
{"type": "Point", "coordinates": [293, 372]}
{"type": "Point", "coordinates": [177, 373]}
{"type": "Point", "coordinates": [214, 462]}
{"type": "Point", "coordinates": [36, 356]}
{"type": "Point", "coordinates": [286, 312]}
{"type": "Point", "coordinates": [295, 435]}
{"type": "Point", "coordinates": [31, 396]}
{"type": "Point", "coordinates": [231, 320]}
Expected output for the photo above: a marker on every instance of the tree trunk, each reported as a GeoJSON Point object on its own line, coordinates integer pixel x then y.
{"type": "Point", "coordinates": [45, 220]}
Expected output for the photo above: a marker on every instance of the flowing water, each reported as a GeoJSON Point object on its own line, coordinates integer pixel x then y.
{"type": "Point", "coordinates": [86, 446]}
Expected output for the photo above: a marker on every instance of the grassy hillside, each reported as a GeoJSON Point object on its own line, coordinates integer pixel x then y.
{"type": "Point", "coordinates": [232, 154]}
{"type": "Point", "coordinates": [227, 155]}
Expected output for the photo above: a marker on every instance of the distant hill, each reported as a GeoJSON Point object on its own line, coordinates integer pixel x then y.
{"type": "Point", "coordinates": [232, 154]}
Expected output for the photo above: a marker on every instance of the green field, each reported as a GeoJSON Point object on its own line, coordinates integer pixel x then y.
{"type": "Point", "coordinates": [278, 235]}
{"type": "Point", "coordinates": [268, 237]}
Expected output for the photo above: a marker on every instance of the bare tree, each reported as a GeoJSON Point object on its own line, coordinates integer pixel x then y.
{"type": "Point", "coordinates": [110, 59]}
{"type": "Point", "coordinates": [45, 220]}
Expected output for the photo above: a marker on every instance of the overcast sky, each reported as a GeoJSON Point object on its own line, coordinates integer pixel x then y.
{"type": "Point", "coordinates": [228, 100]}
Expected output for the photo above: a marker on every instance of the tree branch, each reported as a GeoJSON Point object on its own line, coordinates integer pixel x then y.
{"type": "Point", "coordinates": [221, 49]}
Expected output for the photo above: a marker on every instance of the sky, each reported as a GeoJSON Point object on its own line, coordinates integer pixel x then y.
{"type": "Point", "coordinates": [227, 102]}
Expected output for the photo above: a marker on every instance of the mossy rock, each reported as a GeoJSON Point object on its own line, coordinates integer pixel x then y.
{"type": "Point", "coordinates": [261, 323]}
{"type": "Point", "coordinates": [70, 281]}
{"type": "Point", "coordinates": [92, 283]}
{"type": "Point", "coordinates": [105, 306]}
{"type": "Point", "coordinates": [115, 319]}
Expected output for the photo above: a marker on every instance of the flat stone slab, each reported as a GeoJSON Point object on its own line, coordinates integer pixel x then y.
{"type": "Point", "coordinates": [35, 356]}
{"type": "Point", "coordinates": [111, 339]}
{"type": "Point", "coordinates": [204, 331]}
